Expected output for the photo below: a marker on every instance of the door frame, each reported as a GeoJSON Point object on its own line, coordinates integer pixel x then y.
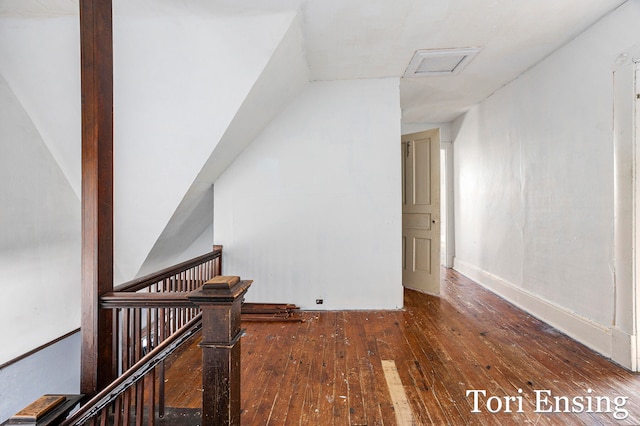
{"type": "Point", "coordinates": [625, 339]}
{"type": "Point", "coordinates": [635, 344]}
{"type": "Point", "coordinates": [446, 190]}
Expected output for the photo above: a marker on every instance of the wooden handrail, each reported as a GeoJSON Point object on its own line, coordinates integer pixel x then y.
{"type": "Point", "coordinates": [147, 280]}
{"type": "Point", "coordinates": [133, 374]}
{"type": "Point", "coordinates": [126, 299]}
{"type": "Point", "coordinates": [149, 309]}
{"type": "Point", "coordinates": [150, 316]}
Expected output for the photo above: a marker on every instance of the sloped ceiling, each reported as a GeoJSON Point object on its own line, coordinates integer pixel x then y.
{"type": "Point", "coordinates": [377, 38]}
{"type": "Point", "coordinates": [232, 42]}
{"type": "Point", "coordinates": [365, 39]}
{"type": "Point", "coordinates": [281, 80]}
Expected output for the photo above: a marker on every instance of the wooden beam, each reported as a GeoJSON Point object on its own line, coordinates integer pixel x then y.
{"type": "Point", "coordinates": [96, 52]}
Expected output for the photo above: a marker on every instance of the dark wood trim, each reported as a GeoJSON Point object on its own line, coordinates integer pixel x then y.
{"type": "Point", "coordinates": [38, 349]}
{"type": "Point", "coordinates": [129, 378]}
{"type": "Point", "coordinates": [126, 299]}
{"type": "Point", "coordinates": [220, 300]}
{"type": "Point", "coordinates": [48, 410]}
{"type": "Point", "coordinates": [142, 282]}
{"type": "Point", "coordinates": [96, 57]}
{"type": "Point", "coordinates": [218, 247]}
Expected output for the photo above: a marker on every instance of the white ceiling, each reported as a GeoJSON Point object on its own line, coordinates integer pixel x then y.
{"type": "Point", "coordinates": [377, 38]}
{"type": "Point", "coordinates": [354, 39]}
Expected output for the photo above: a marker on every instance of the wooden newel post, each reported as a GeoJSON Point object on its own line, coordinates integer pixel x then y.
{"type": "Point", "coordinates": [220, 300]}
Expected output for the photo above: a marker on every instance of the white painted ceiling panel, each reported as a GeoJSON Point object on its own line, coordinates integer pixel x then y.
{"type": "Point", "coordinates": [360, 39]}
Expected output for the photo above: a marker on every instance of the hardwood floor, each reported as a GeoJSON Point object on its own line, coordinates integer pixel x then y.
{"type": "Point", "coordinates": [328, 370]}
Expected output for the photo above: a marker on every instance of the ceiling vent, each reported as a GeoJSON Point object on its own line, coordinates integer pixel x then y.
{"type": "Point", "coordinates": [439, 62]}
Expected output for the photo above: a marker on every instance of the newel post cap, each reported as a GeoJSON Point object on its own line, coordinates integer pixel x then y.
{"type": "Point", "coordinates": [220, 289]}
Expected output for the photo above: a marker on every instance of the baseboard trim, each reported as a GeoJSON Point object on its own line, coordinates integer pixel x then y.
{"type": "Point", "coordinates": [623, 349]}
{"type": "Point", "coordinates": [591, 334]}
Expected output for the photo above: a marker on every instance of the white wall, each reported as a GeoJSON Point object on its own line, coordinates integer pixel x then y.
{"type": "Point", "coordinates": [39, 264]}
{"type": "Point", "coordinates": [534, 185]}
{"type": "Point", "coordinates": [39, 237]}
{"type": "Point", "coordinates": [40, 213]}
{"type": "Point", "coordinates": [312, 208]}
{"type": "Point", "coordinates": [281, 80]}
{"type": "Point", "coordinates": [41, 63]}
{"type": "Point", "coordinates": [178, 83]}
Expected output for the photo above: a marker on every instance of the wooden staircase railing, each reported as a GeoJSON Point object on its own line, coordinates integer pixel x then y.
{"type": "Point", "coordinates": [124, 402]}
{"type": "Point", "coordinates": [148, 310]}
{"type": "Point", "coordinates": [152, 316]}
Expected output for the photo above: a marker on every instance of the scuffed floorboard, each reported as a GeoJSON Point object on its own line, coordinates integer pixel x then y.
{"type": "Point", "coordinates": [328, 370]}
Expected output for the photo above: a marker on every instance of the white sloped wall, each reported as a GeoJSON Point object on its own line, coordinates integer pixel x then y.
{"type": "Point", "coordinates": [312, 208]}
{"type": "Point", "coordinates": [40, 237]}
{"type": "Point", "coordinates": [179, 83]}
{"type": "Point", "coordinates": [39, 262]}
{"type": "Point", "coordinates": [284, 76]}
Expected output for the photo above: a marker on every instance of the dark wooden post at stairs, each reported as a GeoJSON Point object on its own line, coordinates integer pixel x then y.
{"type": "Point", "coordinates": [96, 55]}
{"type": "Point", "coordinates": [220, 300]}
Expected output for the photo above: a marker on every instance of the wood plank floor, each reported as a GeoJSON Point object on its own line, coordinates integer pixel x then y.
{"type": "Point", "coordinates": [328, 370]}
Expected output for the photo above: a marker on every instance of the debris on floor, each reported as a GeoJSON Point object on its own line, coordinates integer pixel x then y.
{"type": "Point", "coordinates": [270, 312]}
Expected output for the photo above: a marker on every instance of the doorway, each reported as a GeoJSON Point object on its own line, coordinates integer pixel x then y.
{"type": "Point", "coordinates": [626, 155]}
{"type": "Point", "coordinates": [421, 211]}
{"type": "Point", "coordinates": [447, 231]}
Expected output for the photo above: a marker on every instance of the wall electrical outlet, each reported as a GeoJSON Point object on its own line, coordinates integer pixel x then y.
{"type": "Point", "coordinates": [319, 301]}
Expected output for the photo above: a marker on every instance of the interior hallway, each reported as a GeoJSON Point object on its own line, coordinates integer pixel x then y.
{"type": "Point", "coordinates": [328, 370]}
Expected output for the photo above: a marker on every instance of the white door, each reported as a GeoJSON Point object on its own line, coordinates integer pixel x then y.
{"type": "Point", "coordinates": [421, 211]}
